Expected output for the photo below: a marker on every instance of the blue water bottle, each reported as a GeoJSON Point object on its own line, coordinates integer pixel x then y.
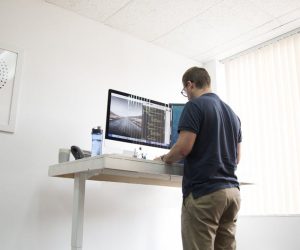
{"type": "Point", "coordinates": [97, 137]}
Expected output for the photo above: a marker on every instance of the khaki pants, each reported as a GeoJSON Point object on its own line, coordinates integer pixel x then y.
{"type": "Point", "coordinates": [209, 222]}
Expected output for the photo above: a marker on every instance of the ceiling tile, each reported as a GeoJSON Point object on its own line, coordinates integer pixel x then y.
{"type": "Point", "coordinates": [151, 19]}
{"type": "Point", "coordinates": [218, 25]}
{"type": "Point", "coordinates": [95, 9]}
{"type": "Point", "coordinates": [249, 11]}
{"type": "Point", "coordinates": [234, 17]}
{"type": "Point", "coordinates": [277, 7]}
{"type": "Point", "coordinates": [190, 38]}
{"type": "Point", "coordinates": [290, 16]}
{"type": "Point", "coordinates": [250, 39]}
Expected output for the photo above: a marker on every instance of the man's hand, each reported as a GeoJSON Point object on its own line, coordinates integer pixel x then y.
{"type": "Point", "coordinates": [159, 158]}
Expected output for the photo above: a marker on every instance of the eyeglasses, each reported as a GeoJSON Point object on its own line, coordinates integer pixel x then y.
{"type": "Point", "coordinates": [183, 92]}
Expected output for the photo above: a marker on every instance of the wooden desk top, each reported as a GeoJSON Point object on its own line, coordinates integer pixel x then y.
{"type": "Point", "coordinates": [120, 168]}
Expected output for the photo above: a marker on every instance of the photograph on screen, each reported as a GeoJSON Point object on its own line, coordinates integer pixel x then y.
{"type": "Point", "coordinates": [125, 119]}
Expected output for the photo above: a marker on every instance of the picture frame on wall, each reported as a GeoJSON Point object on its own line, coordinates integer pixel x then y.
{"type": "Point", "coordinates": [10, 69]}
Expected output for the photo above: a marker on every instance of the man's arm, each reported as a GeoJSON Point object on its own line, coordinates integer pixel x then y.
{"type": "Point", "coordinates": [181, 148]}
{"type": "Point", "coordinates": [238, 153]}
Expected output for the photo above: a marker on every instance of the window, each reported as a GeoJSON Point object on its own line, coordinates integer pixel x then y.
{"type": "Point", "coordinates": [263, 87]}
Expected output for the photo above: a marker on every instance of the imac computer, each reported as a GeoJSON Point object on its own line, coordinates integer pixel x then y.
{"type": "Point", "coordinates": [139, 120]}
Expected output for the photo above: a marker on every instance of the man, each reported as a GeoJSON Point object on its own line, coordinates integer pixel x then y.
{"type": "Point", "coordinates": [209, 142]}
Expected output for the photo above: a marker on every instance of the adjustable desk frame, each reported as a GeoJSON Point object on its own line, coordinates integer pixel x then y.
{"type": "Point", "coordinates": [114, 168]}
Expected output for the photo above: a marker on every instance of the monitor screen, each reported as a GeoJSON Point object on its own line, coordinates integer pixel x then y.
{"type": "Point", "coordinates": [137, 120]}
{"type": "Point", "coordinates": [176, 110]}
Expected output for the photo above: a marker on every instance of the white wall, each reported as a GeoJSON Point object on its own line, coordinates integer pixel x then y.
{"type": "Point", "coordinates": [216, 71]}
{"type": "Point", "coordinates": [69, 64]}
{"type": "Point", "coordinates": [268, 233]}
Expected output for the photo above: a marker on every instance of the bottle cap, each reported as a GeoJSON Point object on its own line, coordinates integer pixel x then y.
{"type": "Point", "coordinates": [97, 130]}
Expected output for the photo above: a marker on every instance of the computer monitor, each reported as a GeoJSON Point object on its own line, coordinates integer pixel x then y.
{"type": "Point", "coordinates": [176, 110]}
{"type": "Point", "coordinates": [137, 120]}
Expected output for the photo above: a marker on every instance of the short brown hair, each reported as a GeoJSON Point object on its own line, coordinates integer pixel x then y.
{"type": "Point", "coordinates": [197, 75]}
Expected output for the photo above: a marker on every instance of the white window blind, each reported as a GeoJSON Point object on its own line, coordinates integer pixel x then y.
{"type": "Point", "coordinates": [263, 87]}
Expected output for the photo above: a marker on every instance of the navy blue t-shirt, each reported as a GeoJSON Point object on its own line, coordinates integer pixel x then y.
{"type": "Point", "coordinates": [211, 164]}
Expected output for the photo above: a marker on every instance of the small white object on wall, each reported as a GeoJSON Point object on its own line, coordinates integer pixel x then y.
{"type": "Point", "coordinates": [10, 69]}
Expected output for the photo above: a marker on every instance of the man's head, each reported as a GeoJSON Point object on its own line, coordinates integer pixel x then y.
{"type": "Point", "coordinates": [195, 81]}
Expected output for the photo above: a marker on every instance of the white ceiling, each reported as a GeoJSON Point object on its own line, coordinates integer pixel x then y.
{"type": "Point", "coordinates": [199, 29]}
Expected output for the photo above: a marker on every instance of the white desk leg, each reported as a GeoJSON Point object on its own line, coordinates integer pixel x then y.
{"type": "Point", "coordinates": [78, 211]}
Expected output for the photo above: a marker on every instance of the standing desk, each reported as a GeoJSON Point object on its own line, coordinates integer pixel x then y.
{"type": "Point", "coordinates": [113, 168]}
